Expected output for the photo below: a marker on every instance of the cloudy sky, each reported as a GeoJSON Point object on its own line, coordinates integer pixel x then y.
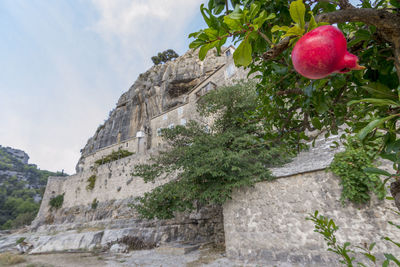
{"type": "Point", "coordinates": [64, 64]}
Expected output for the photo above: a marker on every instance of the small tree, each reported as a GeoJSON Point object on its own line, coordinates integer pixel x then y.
{"type": "Point", "coordinates": [211, 162]}
{"type": "Point", "coordinates": [165, 56]}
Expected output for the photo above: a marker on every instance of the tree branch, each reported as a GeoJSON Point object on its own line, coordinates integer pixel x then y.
{"type": "Point", "coordinates": [388, 23]}
{"type": "Point", "coordinates": [296, 91]}
{"type": "Point", "coordinates": [264, 37]}
{"type": "Point", "coordinates": [277, 49]}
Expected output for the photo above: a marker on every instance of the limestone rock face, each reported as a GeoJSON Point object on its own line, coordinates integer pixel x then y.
{"type": "Point", "coordinates": [155, 91]}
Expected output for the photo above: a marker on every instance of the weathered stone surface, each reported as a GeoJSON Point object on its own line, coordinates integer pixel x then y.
{"type": "Point", "coordinates": [154, 92]}
{"type": "Point", "coordinates": [8, 242]}
{"type": "Point", "coordinates": [267, 223]}
{"type": "Point", "coordinates": [177, 248]}
{"type": "Point", "coordinates": [119, 248]}
{"type": "Point", "coordinates": [318, 157]}
{"type": "Point", "coordinates": [65, 242]}
{"type": "Point", "coordinates": [24, 247]}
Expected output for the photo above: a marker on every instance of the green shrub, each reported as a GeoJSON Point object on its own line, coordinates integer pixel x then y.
{"type": "Point", "coordinates": [115, 155]}
{"type": "Point", "coordinates": [91, 182]}
{"type": "Point", "coordinates": [95, 203]}
{"type": "Point", "coordinates": [349, 166]}
{"type": "Point", "coordinates": [20, 240]}
{"type": "Point", "coordinates": [56, 202]}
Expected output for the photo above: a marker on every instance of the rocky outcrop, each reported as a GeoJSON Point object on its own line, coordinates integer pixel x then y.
{"type": "Point", "coordinates": [155, 91]}
{"type": "Point", "coordinates": [16, 153]}
{"type": "Point", "coordinates": [114, 226]}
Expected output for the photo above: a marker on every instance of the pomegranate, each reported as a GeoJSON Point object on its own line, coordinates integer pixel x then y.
{"type": "Point", "coordinates": [321, 52]}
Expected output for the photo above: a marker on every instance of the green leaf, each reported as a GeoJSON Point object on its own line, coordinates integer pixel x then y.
{"type": "Point", "coordinates": [312, 24]}
{"type": "Point", "coordinates": [385, 263]}
{"type": "Point", "coordinates": [371, 246]}
{"type": "Point", "coordinates": [279, 28]}
{"type": "Point", "coordinates": [379, 90]}
{"type": "Point", "coordinates": [297, 11]}
{"type": "Point", "coordinates": [196, 43]}
{"type": "Point", "coordinates": [211, 33]}
{"type": "Point", "coordinates": [271, 16]}
{"type": "Point", "coordinates": [376, 171]}
{"type": "Point", "coordinates": [376, 102]}
{"type": "Point", "coordinates": [295, 30]}
{"type": "Point", "coordinates": [206, 19]}
{"type": "Point", "coordinates": [233, 24]}
{"type": "Point", "coordinates": [242, 55]}
{"type": "Point", "coordinates": [392, 258]}
{"type": "Point", "coordinates": [204, 49]}
{"type": "Point", "coordinates": [393, 242]}
{"type": "Point", "coordinates": [237, 13]}
{"type": "Point", "coordinates": [254, 9]}
{"type": "Point", "coordinates": [395, 3]}
{"type": "Point", "coordinates": [322, 23]}
{"type": "Point", "coordinates": [372, 125]}
{"type": "Point", "coordinates": [316, 123]}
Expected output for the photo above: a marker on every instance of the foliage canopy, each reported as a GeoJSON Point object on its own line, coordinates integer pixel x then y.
{"type": "Point", "coordinates": [164, 57]}
{"type": "Point", "coordinates": [362, 102]}
{"type": "Point", "coordinates": [21, 188]}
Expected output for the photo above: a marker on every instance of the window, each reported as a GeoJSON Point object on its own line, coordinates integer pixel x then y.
{"type": "Point", "coordinates": [165, 117]}
{"type": "Point", "coordinates": [228, 52]}
{"type": "Point", "coordinates": [158, 131]}
{"type": "Point", "coordinates": [183, 121]}
{"type": "Point", "coordinates": [171, 126]}
{"type": "Point", "coordinates": [180, 111]}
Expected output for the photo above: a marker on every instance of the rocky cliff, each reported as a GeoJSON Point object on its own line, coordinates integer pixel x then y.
{"type": "Point", "coordinates": [157, 90]}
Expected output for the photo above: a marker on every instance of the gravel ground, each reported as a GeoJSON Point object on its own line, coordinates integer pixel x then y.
{"type": "Point", "coordinates": [207, 256]}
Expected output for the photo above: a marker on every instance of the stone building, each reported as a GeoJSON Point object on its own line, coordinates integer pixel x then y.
{"type": "Point", "coordinates": [265, 224]}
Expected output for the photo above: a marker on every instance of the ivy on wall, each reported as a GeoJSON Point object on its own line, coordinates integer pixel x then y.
{"type": "Point", "coordinates": [350, 166]}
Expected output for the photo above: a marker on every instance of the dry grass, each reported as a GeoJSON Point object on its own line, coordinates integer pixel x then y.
{"type": "Point", "coordinates": [89, 229]}
{"type": "Point", "coordinates": [8, 259]}
{"type": "Point", "coordinates": [208, 254]}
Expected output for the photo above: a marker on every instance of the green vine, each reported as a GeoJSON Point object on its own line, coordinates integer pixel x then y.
{"type": "Point", "coordinates": [95, 203]}
{"type": "Point", "coordinates": [115, 155]}
{"type": "Point", "coordinates": [57, 202]}
{"type": "Point", "coordinates": [91, 182]}
{"type": "Point", "coordinates": [349, 166]}
{"type": "Point", "coordinates": [350, 255]}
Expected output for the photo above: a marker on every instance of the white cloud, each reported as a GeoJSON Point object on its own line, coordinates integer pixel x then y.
{"type": "Point", "coordinates": [69, 63]}
{"type": "Point", "coordinates": [130, 19]}
{"type": "Point", "coordinates": [138, 29]}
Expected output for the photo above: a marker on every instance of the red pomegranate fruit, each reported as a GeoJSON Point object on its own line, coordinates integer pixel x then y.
{"type": "Point", "coordinates": [321, 52]}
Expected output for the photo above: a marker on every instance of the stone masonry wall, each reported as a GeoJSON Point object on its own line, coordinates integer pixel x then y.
{"type": "Point", "coordinates": [267, 223]}
{"type": "Point", "coordinates": [136, 130]}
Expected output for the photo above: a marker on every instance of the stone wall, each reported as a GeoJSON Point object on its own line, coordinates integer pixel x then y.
{"type": "Point", "coordinates": [114, 191]}
{"type": "Point", "coordinates": [267, 223]}
{"type": "Point", "coordinates": [164, 96]}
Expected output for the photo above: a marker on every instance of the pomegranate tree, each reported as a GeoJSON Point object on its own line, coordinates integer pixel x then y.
{"type": "Point", "coordinates": [321, 52]}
